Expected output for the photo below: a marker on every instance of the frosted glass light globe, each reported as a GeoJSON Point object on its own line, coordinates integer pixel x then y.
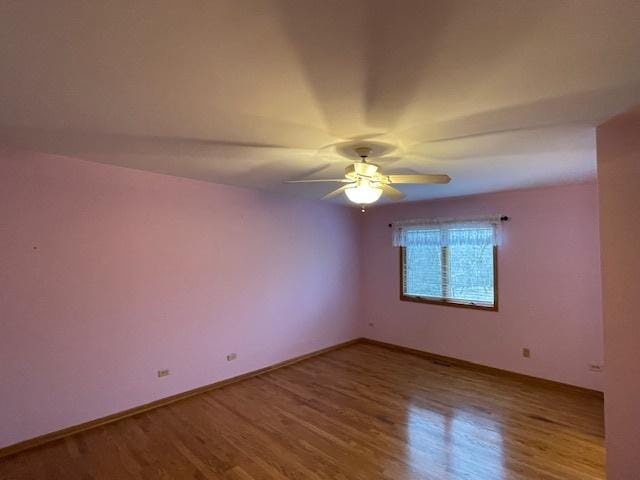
{"type": "Point", "coordinates": [363, 192]}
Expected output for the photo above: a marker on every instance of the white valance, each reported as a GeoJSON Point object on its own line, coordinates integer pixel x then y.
{"type": "Point", "coordinates": [447, 231]}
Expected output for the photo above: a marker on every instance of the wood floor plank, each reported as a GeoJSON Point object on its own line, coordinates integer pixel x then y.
{"type": "Point", "coordinates": [363, 412]}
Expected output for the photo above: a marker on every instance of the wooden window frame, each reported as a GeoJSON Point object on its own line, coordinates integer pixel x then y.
{"type": "Point", "coordinates": [445, 301]}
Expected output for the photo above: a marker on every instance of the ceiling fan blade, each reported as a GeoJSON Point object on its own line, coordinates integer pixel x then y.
{"type": "Point", "coordinates": [419, 178]}
{"type": "Point", "coordinates": [392, 193]}
{"type": "Point", "coordinates": [319, 180]}
{"type": "Point", "coordinates": [335, 193]}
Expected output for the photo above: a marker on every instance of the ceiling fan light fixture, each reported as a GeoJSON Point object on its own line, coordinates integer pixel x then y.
{"type": "Point", "coordinates": [365, 184]}
{"type": "Point", "coordinates": [364, 192]}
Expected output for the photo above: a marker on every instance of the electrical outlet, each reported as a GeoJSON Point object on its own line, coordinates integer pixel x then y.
{"type": "Point", "coordinates": [232, 356]}
{"type": "Point", "coordinates": [163, 373]}
{"type": "Point", "coordinates": [526, 353]}
{"type": "Point", "coordinates": [595, 367]}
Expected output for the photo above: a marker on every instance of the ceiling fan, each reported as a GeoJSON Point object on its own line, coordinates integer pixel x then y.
{"type": "Point", "coordinates": [365, 184]}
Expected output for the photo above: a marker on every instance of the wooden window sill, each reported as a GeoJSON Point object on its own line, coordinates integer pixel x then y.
{"type": "Point", "coordinates": [448, 303]}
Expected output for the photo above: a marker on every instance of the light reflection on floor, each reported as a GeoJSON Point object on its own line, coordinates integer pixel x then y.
{"type": "Point", "coordinates": [463, 442]}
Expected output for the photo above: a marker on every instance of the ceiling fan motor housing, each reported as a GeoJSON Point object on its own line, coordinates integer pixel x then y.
{"type": "Point", "coordinates": [353, 171]}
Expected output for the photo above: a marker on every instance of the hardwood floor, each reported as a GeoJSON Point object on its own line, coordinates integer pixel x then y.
{"type": "Point", "coordinates": [362, 412]}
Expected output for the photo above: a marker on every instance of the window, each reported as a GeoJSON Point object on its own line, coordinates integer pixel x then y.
{"type": "Point", "coordinates": [452, 264]}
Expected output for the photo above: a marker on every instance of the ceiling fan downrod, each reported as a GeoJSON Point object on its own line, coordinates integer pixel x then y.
{"type": "Point", "coordinates": [363, 153]}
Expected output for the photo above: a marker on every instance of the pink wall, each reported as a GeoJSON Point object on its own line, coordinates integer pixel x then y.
{"type": "Point", "coordinates": [109, 274]}
{"type": "Point", "coordinates": [619, 184]}
{"type": "Point", "coordinates": [549, 281]}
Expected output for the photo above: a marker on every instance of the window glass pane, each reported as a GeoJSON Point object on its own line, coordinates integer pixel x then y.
{"type": "Point", "coordinates": [470, 266]}
{"type": "Point", "coordinates": [467, 276]}
{"type": "Point", "coordinates": [423, 271]}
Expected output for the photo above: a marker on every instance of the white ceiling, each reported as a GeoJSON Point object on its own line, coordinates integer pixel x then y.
{"type": "Point", "coordinates": [498, 94]}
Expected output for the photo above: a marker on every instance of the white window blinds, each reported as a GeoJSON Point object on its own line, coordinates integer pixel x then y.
{"type": "Point", "coordinates": [450, 261]}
